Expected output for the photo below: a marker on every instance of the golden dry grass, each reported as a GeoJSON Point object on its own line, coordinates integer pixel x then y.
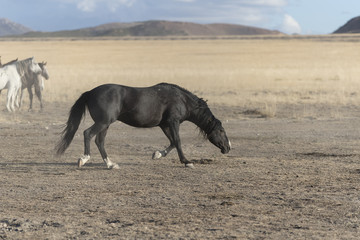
{"type": "Point", "coordinates": [242, 72]}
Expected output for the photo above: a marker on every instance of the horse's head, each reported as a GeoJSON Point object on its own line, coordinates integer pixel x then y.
{"type": "Point", "coordinates": [34, 66]}
{"type": "Point", "coordinates": [218, 137]}
{"type": "Point", "coordinates": [44, 71]}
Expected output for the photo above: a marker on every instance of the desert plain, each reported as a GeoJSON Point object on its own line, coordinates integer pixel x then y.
{"type": "Point", "coordinates": [290, 106]}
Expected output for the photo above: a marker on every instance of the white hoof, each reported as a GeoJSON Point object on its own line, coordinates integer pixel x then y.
{"type": "Point", "coordinates": [189, 165]}
{"type": "Point", "coordinates": [83, 160]}
{"type": "Point", "coordinates": [110, 164]}
{"type": "Point", "coordinates": [114, 166]}
{"type": "Point", "coordinates": [80, 163]}
{"type": "Point", "coordinates": [156, 155]}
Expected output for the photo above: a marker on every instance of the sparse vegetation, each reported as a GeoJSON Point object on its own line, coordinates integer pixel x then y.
{"type": "Point", "coordinates": [253, 74]}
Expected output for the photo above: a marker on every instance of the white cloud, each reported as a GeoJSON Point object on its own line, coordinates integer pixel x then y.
{"type": "Point", "coordinates": [113, 5]}
{"type": "Point", "coordinates": [259, 13]}
{"type": "Point", "coordinates": [290, 25]}
{"type": "Point", "coordinates": [92, 5]}
{"type": "Point", "coordinates": [269, 3]}
{"type": "Point", "coordinates": [87, 5]}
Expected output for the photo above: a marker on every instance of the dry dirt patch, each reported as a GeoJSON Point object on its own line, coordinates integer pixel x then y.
{"type": "Point", "coordinates": [284, 178]}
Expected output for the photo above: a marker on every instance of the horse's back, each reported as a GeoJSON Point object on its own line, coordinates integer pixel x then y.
{"type": "Point", "coordinates": [131, 97]}
{"type": "Point", "coordinates": [9, 77]}
{"type": "Point", "coordinates": [143, 107]}
{"type": "Point", "coordinates": [138, 107]}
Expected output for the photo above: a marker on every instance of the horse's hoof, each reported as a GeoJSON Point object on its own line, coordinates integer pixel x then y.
{"type": "Point", "coordinates": [189, 165]}
{"type": "Point", "coordinates": [80, 163]}
{"type": "Point", "coordinates": [83, 160]}
{"type": "Point", "coordinates": [156, 155]}
{"type": "Point", "coordinates": [115, 166]}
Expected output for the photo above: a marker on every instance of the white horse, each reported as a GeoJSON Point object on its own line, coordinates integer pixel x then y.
{"type": "Point", "coordinates": [10, 78]}
{"type": "Point", "coordinates": [30, 79]}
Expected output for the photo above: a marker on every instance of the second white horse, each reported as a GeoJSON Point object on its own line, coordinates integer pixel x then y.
{"type": "Point", "coordinates": [10, 78]}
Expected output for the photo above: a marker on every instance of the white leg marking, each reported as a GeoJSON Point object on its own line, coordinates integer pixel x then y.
{"type": "Point", "coordinates": [110, 164]}
{"type": "Point", "coordinates": [83, 160]}
{"type": "Point", "coordinates": [230, 144]}
{"type": "Point", "coordinates": [189, 165]}
{"type": "Point", "coordinates": [156, 155]}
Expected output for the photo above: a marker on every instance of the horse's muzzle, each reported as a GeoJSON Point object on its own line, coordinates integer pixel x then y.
{"type": "Point", "coordinates": [226, 149]}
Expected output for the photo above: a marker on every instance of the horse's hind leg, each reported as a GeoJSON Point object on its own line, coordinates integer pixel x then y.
{"type": "Point", "coordinates": [39, 96]}
{"type": "Point", "coordinates": [10, 104]}
{"type": "Point", "coordinates": [100, 143]}
{"type": "Point", "coordinates": [17, 97]}
{"type": "Point", "coordinates": [88, 135]}
{"type": "Point", "coordinates": [159, 154]}
{"type": "Point", "coordinates": [31, 96]}
{"type": "Point", "coordinates": [21, 96]}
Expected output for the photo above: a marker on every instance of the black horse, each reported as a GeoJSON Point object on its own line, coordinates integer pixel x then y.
{"type": "Point", "coordinates": [164, 105]}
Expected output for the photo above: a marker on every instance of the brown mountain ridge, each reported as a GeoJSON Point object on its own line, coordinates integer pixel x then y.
{"type": "Point", "coordinates": [158, 28]}
{"type": "Point", "coordinates": [8, 27]}
{"type": "Point", "coordinates": [352, 26]}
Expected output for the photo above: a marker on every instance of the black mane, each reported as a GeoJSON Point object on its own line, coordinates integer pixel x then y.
{"type": "Point", "coordinates": [204, 119]}
{"type": "Point", "coordinates": [208, 124]}
{"type": "Point", "coordinates": [198, 102]}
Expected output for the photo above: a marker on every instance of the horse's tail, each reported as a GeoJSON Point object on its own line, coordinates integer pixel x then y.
{"type": "Point", "coordinates": [75, 115]}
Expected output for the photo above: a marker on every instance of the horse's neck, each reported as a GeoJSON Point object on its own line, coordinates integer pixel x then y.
{"type": "Point", "coordinates": [28, 78]}
{"type": "Point", "coordinates": [203, 118]}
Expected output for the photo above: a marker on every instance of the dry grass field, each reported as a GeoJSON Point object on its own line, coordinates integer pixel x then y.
{"type": "Point", "coordinates": [290, 105]}
{"type": "Point", "coordinates": [232, 72]}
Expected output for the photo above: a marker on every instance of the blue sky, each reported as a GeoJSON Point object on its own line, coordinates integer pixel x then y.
{"type": "Point", "coordinates": [289, 16]}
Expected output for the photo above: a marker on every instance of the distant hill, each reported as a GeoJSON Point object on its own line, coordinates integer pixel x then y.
{"type": "Point", "coordinates": [157, 28]}
{"type": "Point", "coordinates": [8, 27]}
{"type": "Point", "coordinates": [352, 26]}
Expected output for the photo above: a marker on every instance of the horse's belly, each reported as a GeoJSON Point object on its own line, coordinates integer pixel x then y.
{"type": "Point", "coordinates": [141, 121]}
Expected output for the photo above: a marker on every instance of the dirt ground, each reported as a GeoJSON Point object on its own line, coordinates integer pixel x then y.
{"type": "Point", "coordinates": [286, 177]}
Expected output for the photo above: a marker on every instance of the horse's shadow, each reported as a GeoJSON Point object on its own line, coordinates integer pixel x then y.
{"type": "Point", "coordinates": [13, 164]}
{"type": "Point", "coordinates": [60, 165]}
{"type": "Point", "coordinates": [90, 166]}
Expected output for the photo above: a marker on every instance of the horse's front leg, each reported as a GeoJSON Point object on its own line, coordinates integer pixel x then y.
{"type": "Point", "coordinates": [174, 133]}
{"type": "Point", "coordinates": [39, 95]}
{"type": "Point", "coordinates": [30, 97]}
